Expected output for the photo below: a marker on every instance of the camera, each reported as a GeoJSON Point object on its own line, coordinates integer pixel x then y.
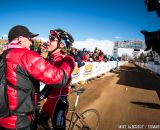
{"type": "Point", "coordinates": [153, 5]}
{"type": "Point", "coordinates": [152, 40]}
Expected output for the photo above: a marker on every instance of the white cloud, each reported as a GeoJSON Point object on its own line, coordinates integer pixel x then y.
{"type": "Point", "coordinates": [117, 37]}
{"type": "Point", "coordinates": [42, 39]}
{"type": "Point", "coordinates": [105, 45]}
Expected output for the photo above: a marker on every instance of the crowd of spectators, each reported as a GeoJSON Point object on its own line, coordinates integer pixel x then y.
{"type": "Point", "coordinates": [84, 55]}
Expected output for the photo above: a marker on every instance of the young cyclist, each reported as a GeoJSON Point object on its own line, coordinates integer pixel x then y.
{"type": "Point", "coordinates": [56, 105]}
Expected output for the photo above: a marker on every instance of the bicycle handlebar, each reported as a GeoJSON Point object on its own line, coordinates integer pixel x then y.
{"type": "Point", "coordinates": [77, 91]}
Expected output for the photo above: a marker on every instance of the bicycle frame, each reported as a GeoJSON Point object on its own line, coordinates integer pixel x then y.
{"type": "Point", "coordinates": [73, 111]}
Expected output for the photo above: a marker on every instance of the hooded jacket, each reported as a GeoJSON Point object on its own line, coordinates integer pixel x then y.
{"type": "Point", "coordinates": [23, 65]}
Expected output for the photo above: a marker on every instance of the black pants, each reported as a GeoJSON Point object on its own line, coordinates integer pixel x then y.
{"type": "Point", "coordinates": [59, 116]}
{"type": "Point", "coordinates": [26, 128]}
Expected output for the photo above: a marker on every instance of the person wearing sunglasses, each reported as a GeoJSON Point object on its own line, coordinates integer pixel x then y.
{"type": "Point", "coordinates": [56, 106]}
{"type": "Point", "coordinates": [24, 66]}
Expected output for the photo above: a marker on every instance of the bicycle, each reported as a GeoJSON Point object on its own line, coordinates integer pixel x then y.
{"type": "Point", "coordinates": [87, 120]}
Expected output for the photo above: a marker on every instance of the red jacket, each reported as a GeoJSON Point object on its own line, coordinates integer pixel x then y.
{"type": "Point", "coordinates": [49, 106]}
{"type": "Point", "coordinates": [57, 59]}
{"type": "Point", "coordinates": [24, 65]}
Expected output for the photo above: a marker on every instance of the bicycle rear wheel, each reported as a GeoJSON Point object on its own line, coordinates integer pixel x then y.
{"type": "Point", "coordinates": [88, 120]}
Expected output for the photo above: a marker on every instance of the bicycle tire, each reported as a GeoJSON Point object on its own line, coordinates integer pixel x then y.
{"type": "Point", "coordinates": [91, 117]}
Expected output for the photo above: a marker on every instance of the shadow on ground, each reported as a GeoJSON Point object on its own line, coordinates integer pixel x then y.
{"type": "Point", "coordinates": [134, 76]}
{"type": "Point", "coordinates": [147, 105]}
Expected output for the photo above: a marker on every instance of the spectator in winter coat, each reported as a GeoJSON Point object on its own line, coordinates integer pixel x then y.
{"type": "Point", "coordinates": [79, 59]}
{"type": "Point", "coordinates": [22, 66]}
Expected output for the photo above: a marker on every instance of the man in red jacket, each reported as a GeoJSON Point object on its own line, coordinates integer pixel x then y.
{"type": "Point", "coordinates": [56, 106]}
{"type": "Point", "coordinates": [24, 65]}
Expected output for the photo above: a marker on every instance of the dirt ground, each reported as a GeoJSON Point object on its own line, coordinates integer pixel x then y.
{"type": "Point", "coordinates": [127, 98]}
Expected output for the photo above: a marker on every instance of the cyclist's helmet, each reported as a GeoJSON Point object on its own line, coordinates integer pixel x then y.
{"type": "Point", "coordinates": [63, 37]}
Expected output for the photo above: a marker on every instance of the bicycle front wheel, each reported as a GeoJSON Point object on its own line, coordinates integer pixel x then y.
{"type": "Point", "coordinates": [88, 120]}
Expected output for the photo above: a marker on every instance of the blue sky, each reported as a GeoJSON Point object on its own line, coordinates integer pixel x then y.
{"type": "Point", "coordinates": [98, 19]}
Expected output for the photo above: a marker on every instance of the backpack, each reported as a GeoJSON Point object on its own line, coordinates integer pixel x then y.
{"type": "Point", "coordinates": [4, 104]}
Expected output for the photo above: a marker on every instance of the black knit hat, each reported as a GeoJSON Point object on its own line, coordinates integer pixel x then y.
{"type": "Point", "coordinates": [20, 30]}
